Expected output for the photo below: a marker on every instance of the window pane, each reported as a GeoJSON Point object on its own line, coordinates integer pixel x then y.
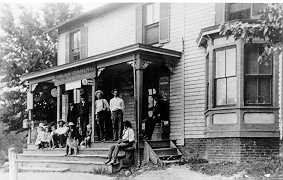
{"type": "Point", "coordinates": [231, 62]}
{"type": "Point", "coordinates": [152, 34]}
{"type": "Point", "coordinates": [257, 7]}
{"type": "Point", "coordinates": [155, 16]}
{"type": "Point", "coordinates": [264, 91]}
{"type": "Point", "coordinates": [250, 91]}
{"type": "Point", "coordinates": [251, 59]}
{"type": "Point", "coordinates": [220, 63]}
{"type": "Point", "coordinates": [239, 11]}
{"type": "Point", "coordinates": [231, 90]}
{"type": "Point", "coordinates": [221, 91]}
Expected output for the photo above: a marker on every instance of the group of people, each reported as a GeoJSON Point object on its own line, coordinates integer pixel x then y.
{"type": "Point", "coordinates": [77, 130]}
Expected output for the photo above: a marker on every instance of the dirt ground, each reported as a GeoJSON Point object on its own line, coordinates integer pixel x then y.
{"type": "Point", "coordinates": [172, 173]}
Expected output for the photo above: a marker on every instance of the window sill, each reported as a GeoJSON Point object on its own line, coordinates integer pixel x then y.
{"type": "Point", "coordinates": [227, 108]}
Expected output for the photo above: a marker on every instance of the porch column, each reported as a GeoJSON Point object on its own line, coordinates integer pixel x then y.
{"type": "Point", "coordinates": [139, 66]}
{"type": "Point", "coordinates": [59, 94]}
{"type": "Point", "coordinates": [93, 124]}
{"type": "Point", "coordinates": [30, 113]}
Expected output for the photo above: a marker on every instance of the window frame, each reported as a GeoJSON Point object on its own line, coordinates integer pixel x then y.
{"type": "Point", "coordinates": [78, 53]}
{"type": "Point", "coordinates": [154, 24]}
{"type": "Point", "coordinates": [226, 77]}
{"type": "Point", "coordinates": [251, 11]}
{"type": "Point", "coordinates": [258, 76]}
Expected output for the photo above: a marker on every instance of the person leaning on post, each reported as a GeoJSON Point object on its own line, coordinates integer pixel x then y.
{"type": "Point", "coordinates": [128, 140]}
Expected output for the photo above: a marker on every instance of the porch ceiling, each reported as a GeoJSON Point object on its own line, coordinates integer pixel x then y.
{"type": "Point", "coordinates": [47, 74]}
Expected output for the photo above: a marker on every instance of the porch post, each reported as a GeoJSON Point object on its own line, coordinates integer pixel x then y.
{"type": "Point", "coordinates": [59, 94]}
{"type": "Point", "coordinates": [29, 108]}
{"type": "Point", "coordinates": [138, 92]}
{"type": "Point", "coordinates": [93, 124]}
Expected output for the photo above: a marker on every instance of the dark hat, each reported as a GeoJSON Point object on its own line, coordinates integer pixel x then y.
{"type": "Point", "coordinates": [99, 91]}
{"type": "Point", "coordinates": [115, 90]}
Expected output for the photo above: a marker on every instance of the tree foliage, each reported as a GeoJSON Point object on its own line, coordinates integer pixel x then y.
{"type": "Point", "coordinates": [26, 47]}
{"type": "Point", "coordinates": [268, 27]}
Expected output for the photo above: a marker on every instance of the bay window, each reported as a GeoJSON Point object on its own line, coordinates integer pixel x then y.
{"type": "Point", "coordinates": [225, 76]}
{"type": "Point", "coordinates": [258, 76]}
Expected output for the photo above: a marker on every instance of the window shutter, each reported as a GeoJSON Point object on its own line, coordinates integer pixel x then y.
{"type": "Point", "coordinates": [84, 41]}
{"type": "Point", "coordinates": [139, 24]}
{"type": "Point", "coordinates": [219, 13]}
{"type": "Point", "coordinates": [67, 48]}
{"type": "Point", "coordinates": [164, 23]}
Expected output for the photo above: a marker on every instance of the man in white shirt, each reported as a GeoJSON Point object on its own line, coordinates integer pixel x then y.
{"type": "Point", "coordinates": [117, 107]}
{"type": "Point", "coordinates": [127, 140]}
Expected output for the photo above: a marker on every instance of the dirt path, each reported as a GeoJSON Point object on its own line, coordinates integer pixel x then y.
{"type": "Point", "coordinates": [172, 173]}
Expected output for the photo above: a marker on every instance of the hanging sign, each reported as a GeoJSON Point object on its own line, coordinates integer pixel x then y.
{"type": "Point", "coordinates": [29, 100]}
{"type": "Point", "coordinates": [73, 85]}
{"type": "Point", "coordinates": [54, 92]}
{"type": "Point", "coordinates": [87, 82]}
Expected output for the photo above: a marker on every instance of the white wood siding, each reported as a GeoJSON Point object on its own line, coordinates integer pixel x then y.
{"type": "Point", "coordinates": [177, 78]}
{"type": "Point", "coordinates": [197, 16]}
{"type": "Point", "coordinates": [112, 30]}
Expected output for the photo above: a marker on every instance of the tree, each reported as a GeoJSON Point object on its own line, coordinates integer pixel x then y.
{"type": "Point", "coordinates": [26, 47]}
{"type": "Point", "coordinates": [269, 27]}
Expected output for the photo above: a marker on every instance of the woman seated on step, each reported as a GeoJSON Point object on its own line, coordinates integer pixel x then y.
{"type": "Point", "coordinates": [128, 139]}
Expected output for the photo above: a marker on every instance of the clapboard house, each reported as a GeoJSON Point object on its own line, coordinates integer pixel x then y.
{"type": "Point", "coordinates": [223, 104]}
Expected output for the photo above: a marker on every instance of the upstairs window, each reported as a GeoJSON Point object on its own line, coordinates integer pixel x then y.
{"type": "Point", "coordinates": [236, 11]}
{"type": "Point", "coordinates": [75, 45]}
{"type": "Point", "coordinates": [152, 23]}
{"type": "Point", "coordinates": [258, 76]}
{"type": "Point", "coordinates": [225, 76]}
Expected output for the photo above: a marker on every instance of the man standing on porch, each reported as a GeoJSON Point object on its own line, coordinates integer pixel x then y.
{"type": "Point", "coordinates": [84, 116]}
{"type": "Point", "coordinates": [117, 107]}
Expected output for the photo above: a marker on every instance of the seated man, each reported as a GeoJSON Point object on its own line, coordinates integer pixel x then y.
{"type": "Point", "coordinates": [60, 134]}
{"type": "Point", "coordinates": [128, 139]}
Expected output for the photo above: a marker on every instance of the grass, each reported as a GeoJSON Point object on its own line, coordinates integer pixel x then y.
{"type": "Point", "coordinates": [255, 168]}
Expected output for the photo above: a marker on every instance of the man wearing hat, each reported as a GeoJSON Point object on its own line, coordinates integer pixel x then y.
{"type": "Point", "coordinates": [59, 136]}
{"type": "Point", "coordinates": [84, 116]}
{"type": "Point", "coordinates": [117, 107]}
{"type": "Point", "coordinates": [101, 108]}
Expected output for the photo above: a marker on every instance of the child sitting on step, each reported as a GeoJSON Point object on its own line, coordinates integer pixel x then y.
{"type": "Point", "coordinates": [87, 140]}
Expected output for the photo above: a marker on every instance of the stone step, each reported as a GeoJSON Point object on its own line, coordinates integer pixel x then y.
{"type": "Point", "coordinates": [171, 161]}
{"type": "Point", "coordinates": [61, 157]}
{"type": "Point", "coordinates": [73, 166]}
{"type": "Point", "coordinates": [89, 151]}
{"type": "Point", "coordinates": [24, 169]}
{"type": "Point", "coordinates": [165, 151]}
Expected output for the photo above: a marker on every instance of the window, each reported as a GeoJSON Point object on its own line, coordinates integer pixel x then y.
{"type": "Point", "coordinates": [243, 10]}
{"type": "Point", "coordinates": [152, 23]}
{"type": "Point", "coordinates": [258, 76]}
{"type": "Point", "coordinates": [75, 45]}
{"type": "Point", "coordinates": [225, 76]}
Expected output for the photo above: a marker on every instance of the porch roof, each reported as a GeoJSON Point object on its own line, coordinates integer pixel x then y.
{"type": "Point", "coordinates": [131, 49]}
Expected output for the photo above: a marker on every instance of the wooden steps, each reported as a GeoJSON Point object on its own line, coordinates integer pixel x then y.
{"type": "Point", "coordinates": [162, 152]}
{"type": "Point", "coordinates": [88, 160]}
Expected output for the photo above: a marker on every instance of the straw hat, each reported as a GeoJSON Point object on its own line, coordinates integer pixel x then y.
{"type": "Point", "coordinates": [41, 125]}
{"type": "Point", "coordinates": [98, 91]}
{"type": "Point", "coordinates": [71, 124]}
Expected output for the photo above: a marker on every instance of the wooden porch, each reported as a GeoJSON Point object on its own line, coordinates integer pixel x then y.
{"type": "Point", "coordinates": [131, 69]}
